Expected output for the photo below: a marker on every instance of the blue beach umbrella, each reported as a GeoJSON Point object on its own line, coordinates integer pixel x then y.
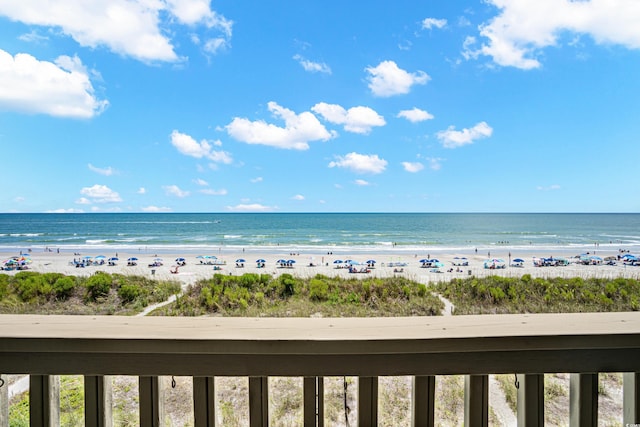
{"type": "Point", "coordinates": [240, 260]}
{"type": "Point", "coordinates": [132, 259]}
{"type": "Point", "coordinates": [260, 260]}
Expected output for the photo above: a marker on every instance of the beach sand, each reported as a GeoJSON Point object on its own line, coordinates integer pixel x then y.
{"type": "Point", "coordinates": [309, 264]}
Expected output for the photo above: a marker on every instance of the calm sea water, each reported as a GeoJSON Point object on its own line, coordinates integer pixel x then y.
{"type": "Point", "coordinates": [374, 232]}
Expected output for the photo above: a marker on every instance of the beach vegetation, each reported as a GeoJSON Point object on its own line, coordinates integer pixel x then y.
{"type": "Point", "coordinates": [496, 294]}
{"type": "Point", "coordinates": [320, 295]}
{"type": "Point", "coordinates": [100, 293]}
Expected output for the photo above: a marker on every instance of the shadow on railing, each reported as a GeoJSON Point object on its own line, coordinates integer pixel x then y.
{"type": "Point", "coordinates": [258, 348]}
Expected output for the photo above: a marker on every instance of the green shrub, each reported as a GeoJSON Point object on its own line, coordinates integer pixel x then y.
{"type": "Point", "coordinates": [98, 286]}
{"type": "Point", "coordinates": [318, 290]}
{"type": "Point", "coordinates": [129, 293]}
{"type": "Point", "coordinates": [63, 287]}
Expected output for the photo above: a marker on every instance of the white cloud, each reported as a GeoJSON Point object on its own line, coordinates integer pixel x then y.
{"type": "Point", "coordinates": [141, 190]}
{"type": "Point", "coordinates": [415, 115]}
{"type": "Point", "coordinates": [71, 210]}
{"type": "Point", "coordinates": [83, 201]}
{"type": "Point", "coordinates": [299, 130]}
{"type": "Point", "coordinates": [252, 207]}
{"type": "Point", "coordinates": [201, 182]}
{"type": "Point", "coordinates": [101, 194]}
{"type": "Point", "coordinates": [212, 192]}
{"type": "Point", "coordinates": [299, 197]}
{"type": "Point", "coordinates": [188, 146]}
{"type": "Point", "coordinates": [452, 138]}
{"type": "Point", "coordinates": [435, 163]}
{"type": "Point", "coordinates": [313, 67]}
{"type": "Point", "coordinates": [429, 23]}
{"type": "Point", "coordinates": [361, 182]}
{"type": "Point", "coordinates": [387, 79]}
{"type": "Point", "coordinates": [60, 89]}
{"type": "Point", "coordinates": [356, 119]}
{"type": "Point", "coordinates": [155, 209]}
{"type": "Point", "coordinates": [135, 28]}
{"type": "Point", "coordinates": [174, 190]}
{"type": "Point", "coordinates": [257, 179]}
{"type": "Point", "coordinates": [108, 171]}
{"type": "Point", "coordinates": [516, 36]}
{"type": "Point", "coordinates": [360, 163]}
{"type": "Point", "coordinates": [412, 166]}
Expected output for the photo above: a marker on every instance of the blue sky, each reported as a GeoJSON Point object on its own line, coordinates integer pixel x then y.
{"type": "Point", "coordinates": [309, 106]}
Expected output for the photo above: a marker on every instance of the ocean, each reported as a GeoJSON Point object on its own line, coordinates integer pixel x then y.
{"type": "Point", "coordinates": [317, 232]}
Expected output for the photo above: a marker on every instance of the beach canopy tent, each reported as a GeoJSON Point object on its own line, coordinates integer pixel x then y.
{"type": "Point", "coordinates": [494, 263]}
{"type": "Point", "coordinates": [517, 262]}
{"type": "Point", "coordinates": [460, 261]}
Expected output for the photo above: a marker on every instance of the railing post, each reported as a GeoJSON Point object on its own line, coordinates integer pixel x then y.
{"type": "Point", "coordinates": [367, 401]}
{"type": "Point", "coordinates": [259, 401]}
{"type": "Point", "coordinates": [423, 401]}
{"type": "Point", "coordinates": [151, 401]}
{"type": "Point", "coordinates": [44, 400]}
{"type": "Point", "coordinates": [583, 397]}
{"type": "Point", "coordinates": [4, 401]}
{"type": "Point", "coordinates": [313, 391]}
{"type": "Point", "coordinates": [97, 401]}
{"type": "Point", "coordinates": [530, 406]}
{"type": "Point", "coordinates": [204, 401]}
{"type": "Point", "coordinates": [631, 398]}
{"type": "Point", "coordinates": [476, 400]}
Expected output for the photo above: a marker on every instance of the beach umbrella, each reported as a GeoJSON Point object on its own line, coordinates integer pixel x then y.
{"type": "Point", "coordinates": [338, 261]}
{"type": "Point", "coordinates": [518, 260]}
{"type": "Point", "coordinates": [180, 259]}
{"type": "Point", "coordinates": [132, 259]}
{"type": "Point", "coordinates": [240, 260]}
{"type": "Point", "coordinates": [371, 261]}
{"type": "Point", "coordinates": [113, 259]}
{"type": "Point", "coordinates": [424, 261]}
{"type": "Point", "coordinates": [291, 261]}
{"type": "Point", "coordinates": [629, 257]}
{"type": "Point", "coordinates": [260, 260]}
{"type": "Point", "coordinates": [100, 257]}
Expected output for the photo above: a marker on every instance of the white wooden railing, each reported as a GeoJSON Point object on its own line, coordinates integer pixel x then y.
{"type": "Point", "coordinates": [423, 347]}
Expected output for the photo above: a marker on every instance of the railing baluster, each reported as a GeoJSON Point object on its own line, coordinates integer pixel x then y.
{"type": "Point", "coordinates": [631, 399]}
{"type": "Point", "coordinates": [4, 401]}
{"type": "Point", "coordinates": [423, 401]}
{"type": "Point", "coordinates": [151, 402]}
{"type": "Point", "coordinates": [476, 400]}
{"type": "Point", "coordinates": [367, 401]}
{"type": "Point", "coordinates": [530, 406]}
{"type": "Point", "coordinates": [583, 400]}
{"type": "Point", "coordinates": [204, 401]}
{"type": "Point", "coordinates": [259, 401]}
{"type": "Point", "coordinates": [97, 401]}
{"type": "Point", "coordinates": [313, 391]}
{"type": "Point", "coordinates": [44, 400]}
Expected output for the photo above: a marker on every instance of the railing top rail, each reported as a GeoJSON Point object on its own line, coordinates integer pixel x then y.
{"type": "Point", "coordinates": [320, 346]}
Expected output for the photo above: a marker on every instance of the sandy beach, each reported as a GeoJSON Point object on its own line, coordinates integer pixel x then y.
{"type": "Point", "coordinates": [309, 264]}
